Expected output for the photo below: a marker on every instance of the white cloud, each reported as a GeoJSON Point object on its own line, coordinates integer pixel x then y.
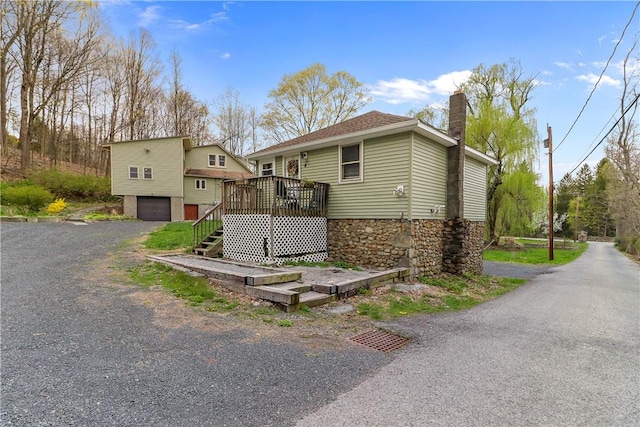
{"type": "Point", "coordinates": [563, 65]}
{"type": "Point", "coordinates": [601, 39]}
{"type": "Point", "coordinates": [581, 64]}
{"type": "Point", "coordinates": [579, 52]}
{"type": "Point", "coordinates": [225, 55]}
{"type": "Point", "coordinates": [400, 90]}
{"type": "Point", "coordinates": [179, 24]}
{"type": "Point", "coordinates": [605, 81]}
{"type": "Point", "coordinates": [546, 73]}
{"type": "Point", "coordinates": [149, 15]}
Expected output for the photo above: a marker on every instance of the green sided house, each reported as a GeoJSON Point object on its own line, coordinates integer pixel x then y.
{"type": "Point", "coordinates": [169, 179]}
{"type": "Point", "coordinates": [377, 190]}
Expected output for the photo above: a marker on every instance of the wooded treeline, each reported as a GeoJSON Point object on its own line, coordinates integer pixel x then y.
{"type": "Point", "coordinates": [67, 86]}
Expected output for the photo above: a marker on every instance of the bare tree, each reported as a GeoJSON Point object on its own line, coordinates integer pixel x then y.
{"type": "Point", "coordinates": [10, 28]}
{"type": "Point", "coordinates": [623, 151]}
{"type": "Point", "coordinates": [232, 120]}
{"type": "Point", "coordinates": [186, 115]}
{"type": "Point", "coordinates": [310, 100]}
{"type": "Point", "coordinates": [141, 73]}
{"type": "Point", "coordinates": [41, 23]}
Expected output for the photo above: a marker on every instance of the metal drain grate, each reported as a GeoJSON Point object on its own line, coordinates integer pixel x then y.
{"type": "Point", "coordinates": [381, 340]}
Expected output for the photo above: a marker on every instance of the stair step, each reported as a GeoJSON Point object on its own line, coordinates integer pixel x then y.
{"type": "Point", "coordinates": [310, 299]}
{"type": "Point", "coordinates": [274, 294]}
{"type": "Point", "coordinates": [296, 286]}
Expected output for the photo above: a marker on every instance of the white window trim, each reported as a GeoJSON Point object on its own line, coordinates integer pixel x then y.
{"type": "Point", "coordinates": [137, 171]}
{"type": "Point", "coordinates": [209, 160]}
{"type": "Point", "coordinates": [147, 167]}
{"type": "Point", "coordinates": [203, 185]}
{"type": "Point", "coordinates": [273, 167]}
{"type": "Point", "coordinates": [226, 159]}
{"type": "Point", "coordinates": [361, 161]}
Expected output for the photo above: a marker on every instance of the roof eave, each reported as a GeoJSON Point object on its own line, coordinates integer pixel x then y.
{"type": "Point", "coordinates": [409, 125]}
{"type": "Point", "coordinates": [414, 125]}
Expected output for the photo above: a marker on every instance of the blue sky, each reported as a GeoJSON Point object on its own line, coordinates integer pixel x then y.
{"type": "Point", "coordinates": [410, 54]}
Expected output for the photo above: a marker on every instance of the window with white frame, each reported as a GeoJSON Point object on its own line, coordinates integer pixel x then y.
{"type": "Point", "coordinates": [267, 169]}
{"type": "Point", "coordinates": [222, 160]}
{"type": "Point", "coordinates": [133, 172]}
{"type": "Point", "coordinates": [351, 163]}
{"type": "Point", "coordinates": [147, 173]}
{"type": "Point", "coordinates": [212, 159]}
{"type": "Point", "coordinates": [201, 184]}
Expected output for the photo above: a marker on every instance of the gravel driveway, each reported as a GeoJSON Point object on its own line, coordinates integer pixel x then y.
{"type": "Point", "coordinates": [79, 350]}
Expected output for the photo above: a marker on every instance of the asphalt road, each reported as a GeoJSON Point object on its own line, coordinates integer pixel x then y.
{"type": "Point", "coordinates": [78, 351]}
{"type": "Point", "coordinates": [561, 350]}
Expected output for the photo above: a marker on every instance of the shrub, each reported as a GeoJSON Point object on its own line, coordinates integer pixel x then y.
{"type": "Point", "coordinates": [56, 207]}
{"type": "Point", "coordinates": [74, 187]}
{"type": "Point", "coordinates": [32, 197]}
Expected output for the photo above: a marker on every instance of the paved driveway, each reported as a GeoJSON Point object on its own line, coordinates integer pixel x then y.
{"type": "Point", "coordinates": [561, 350]}
{"type": "Point", "coordinates": [80, 351]}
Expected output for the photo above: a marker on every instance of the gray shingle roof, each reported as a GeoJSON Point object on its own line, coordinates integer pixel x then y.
{"type": "Point", "coordinates": [371, 120]}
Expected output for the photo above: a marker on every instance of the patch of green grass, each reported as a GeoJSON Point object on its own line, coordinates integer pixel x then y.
{"type": "Point", "coordinates": [286, 323]}
{"type": "Point", "coordinates": [337, 264]}
{"type": "Point", "coordinates": [174, 235]}
{"type": "Point", "coordinates": [100, 216]}
{"type": "Point", "coordinates": [195, 290]}
{"type": "Point", "coordinates": [346, 266]}
{"type": "Point", "coordinates": [535, 255]}
{"type": "Point", "coordinates": [459, 293]}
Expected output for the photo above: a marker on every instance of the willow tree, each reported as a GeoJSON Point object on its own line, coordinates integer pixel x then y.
{"type": "Point", "coordinates": [310, 100]}
{"type": "Point", "coordinates": [501, 124]}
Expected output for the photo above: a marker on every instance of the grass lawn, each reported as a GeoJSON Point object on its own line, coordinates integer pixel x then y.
{"type": "Point", "coordinates": [432, 295]}
{"type": "Point", "coordinates": [175, 235]}
{"type": "Point", "coordinates": [536, 255]}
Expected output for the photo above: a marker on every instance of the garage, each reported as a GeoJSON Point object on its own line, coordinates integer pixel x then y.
{"type": "Point", "coordinates": [154, 208]}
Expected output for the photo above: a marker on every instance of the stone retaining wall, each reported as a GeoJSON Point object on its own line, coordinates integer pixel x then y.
{"type": "Point", "coordinates": [418, 244]}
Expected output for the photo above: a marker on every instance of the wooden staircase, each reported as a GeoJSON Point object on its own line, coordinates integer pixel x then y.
{"type": "Point", "coordinates": [208, 233]}
{"type": "Point", "coordinates": [211, 246]}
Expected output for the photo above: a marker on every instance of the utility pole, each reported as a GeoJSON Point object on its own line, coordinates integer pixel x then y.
{"type": "Point", "coordinates": [548, 143]}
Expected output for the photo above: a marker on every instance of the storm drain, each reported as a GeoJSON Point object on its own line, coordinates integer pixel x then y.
{"type": "Point", "coordinates": [381, 340]}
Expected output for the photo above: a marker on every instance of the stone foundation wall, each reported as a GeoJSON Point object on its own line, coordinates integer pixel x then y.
{"type": "Point", "coordinates": [462, 243]}
{"type": "Point", "coordinates": [474, 245]}
{"type": "Point", "coordinates": [372, 243]}
{"type": "Point", "coordinates": [428, 247]}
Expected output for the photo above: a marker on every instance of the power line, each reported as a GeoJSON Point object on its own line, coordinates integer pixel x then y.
{"type": "Point", "coordinates": [601, 74]}
{"type": "Point", "coordinates": [600, 132]}
{"type": "Point", "coordinates": [607, 134]}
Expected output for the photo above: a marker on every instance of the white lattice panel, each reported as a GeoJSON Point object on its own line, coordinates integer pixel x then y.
{"type": "Point", "coordinates": [298, 235]}
{"type": "Point", "coordinates": [294, 238]}
{"type": "Point", "coordinates": [244, 237]}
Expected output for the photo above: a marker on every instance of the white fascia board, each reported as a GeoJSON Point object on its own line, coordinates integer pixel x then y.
{"type": "Point", "coordinates": [409, 125]}
{"type": "Point", "coordinates": [479, 156]}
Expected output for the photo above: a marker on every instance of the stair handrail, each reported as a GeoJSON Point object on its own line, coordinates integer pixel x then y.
{"type": "Point", "coordinates": [208, 223]}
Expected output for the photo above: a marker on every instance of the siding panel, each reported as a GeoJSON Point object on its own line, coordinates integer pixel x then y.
{"type": "Point", "coordinates": [373, 198]}
{"type": "Point", "coordinates": [475, 190]}
{"type": "Point", "coordinates": [428, 177]}
{"type": "Point", "coordinates": [165, 156]}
